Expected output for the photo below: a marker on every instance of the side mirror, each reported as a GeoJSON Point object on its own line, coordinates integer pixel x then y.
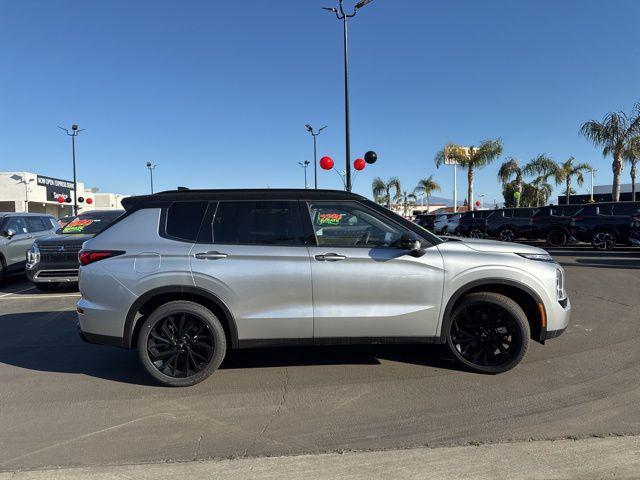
{"type": "Point", "coordinates": [59, 231]}
{"type": "Point", "coordinates": [9, 233]}
{"type": "Point", "coordinates": [412, 244]}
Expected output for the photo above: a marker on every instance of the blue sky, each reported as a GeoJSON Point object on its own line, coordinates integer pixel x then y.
{"type": "Point", "coordinates": [217, 93]}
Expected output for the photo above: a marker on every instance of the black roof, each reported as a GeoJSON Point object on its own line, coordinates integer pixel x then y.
{"type": "Point", "coordinates": [164, 198]}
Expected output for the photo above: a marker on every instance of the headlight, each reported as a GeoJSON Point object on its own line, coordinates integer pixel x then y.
{"type": "Point", "coordinates": [561, 294]}
{"type": "Point", "coordinates": [33, 256]}
{"type": "Point", "coordinates": [541, 257]}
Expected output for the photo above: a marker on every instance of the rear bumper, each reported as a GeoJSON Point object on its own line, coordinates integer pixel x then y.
{"type": "Point", "coordinates": [99, 339]}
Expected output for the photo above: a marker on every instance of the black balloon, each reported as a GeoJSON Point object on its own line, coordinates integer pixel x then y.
{"type": "Point", "coordinates": [370, 157]}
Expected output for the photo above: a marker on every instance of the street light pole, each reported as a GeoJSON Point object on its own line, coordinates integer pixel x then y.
{"type": "Point", "coordinates": [344, 17]}
{"type": "Point", "coordinates": [74, 133]}
{"type": "Point", "coordinates": [592, 171]}
{"type": "Point", "coordinates": [315, 152]}
{"type": "Point", "coordinates": [151, 167]}
{"type": "Point", "coordinates": [304, 165]}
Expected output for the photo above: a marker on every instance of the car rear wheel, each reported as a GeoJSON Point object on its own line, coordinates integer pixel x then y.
{"type": "Point", "coordinates": [476, 233]}
{"type": "Point", "coordinates": [556, 238]}
{"type": "Point", "coordinates": [181, 343]}
{"type": "Point", "coordinates": [603, 240]}
{"type": "Point", "coordinates": [488, 333]}
{"type": "Point", "coordinates": [507, 235]}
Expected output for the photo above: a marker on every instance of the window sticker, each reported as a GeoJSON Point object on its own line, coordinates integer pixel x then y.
{"type": "Point", "coordinates": [330, 218]}
{"type": "Point", "coordinates": [78, 225]}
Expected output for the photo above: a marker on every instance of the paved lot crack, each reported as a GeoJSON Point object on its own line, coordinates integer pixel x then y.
{"type": "Point", "coordinates": [276, 414]}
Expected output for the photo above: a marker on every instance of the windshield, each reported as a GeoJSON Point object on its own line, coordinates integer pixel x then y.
{"type": "Point", "coordinates": [90, 223]}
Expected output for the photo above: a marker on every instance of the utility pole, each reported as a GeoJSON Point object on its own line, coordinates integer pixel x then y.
{"type": "Point", "coordinates": [592, 171]}
{"type": "Point", "coordinates": [315, 153]}
{"type": "Point", "coordinates": [74, 133]}
{"type": "Point", "coordinates": [304, 165]}
{"type": "Point", "coordinates": [151, 168]}
{"type": "Point", "coordinates": [344, 17]}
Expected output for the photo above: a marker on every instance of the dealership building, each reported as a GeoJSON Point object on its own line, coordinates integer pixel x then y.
{"type": "Point", "coordinates": [25, 191]}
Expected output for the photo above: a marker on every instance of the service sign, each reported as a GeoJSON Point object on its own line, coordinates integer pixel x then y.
{"type": "Point", "coordinates": [56, 187]}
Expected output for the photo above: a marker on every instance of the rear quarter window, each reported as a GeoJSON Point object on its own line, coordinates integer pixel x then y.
{"type": "Point", "coordinates": [183, 220]}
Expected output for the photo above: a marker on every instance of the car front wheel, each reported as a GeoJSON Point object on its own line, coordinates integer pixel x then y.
{"type": "Point", "coordinates": [181, 343]}
{"type": "Point", "coordinates": [507, 235]}
{"type": "Point", "coordinates": [488, 333]}
{"type": "Point", "coordinates": [476, 233]}
{"type": "Point", "coordinates": [603, 241]}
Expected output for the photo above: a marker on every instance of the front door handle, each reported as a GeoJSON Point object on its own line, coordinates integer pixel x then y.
{"type": "Point", "coordinates": [210, 255]}
{"type": "Point", "coordinates": [330, 257]}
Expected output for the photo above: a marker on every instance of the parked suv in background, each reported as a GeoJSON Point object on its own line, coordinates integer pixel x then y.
{"type": "Point", "coordinates": [53, 259]}
{"type": "Point", "coordinates": [186, 275]}
{"type": "Point", "coordinates": [553, 223]}
{"type": "Point", "coordinates": [604, 224]}
{"type": "Point", "coordinates": [425, 221]}
{"type": "Point", "coordinates": [440, 223]}
{"type": "Point", "coordinates": [17, 233]}
{"type": "Point", "coordinates": [510, 224]}
{"type": "Point", "coordinates": [474, 224]}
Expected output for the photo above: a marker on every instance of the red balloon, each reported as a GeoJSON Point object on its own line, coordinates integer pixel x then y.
{"type": "Point", "coordinates": [89, 201]}
{"type": "Point", "coordinates": [60, 200]}
{"type": "Point", "coordinates": [326, 163]}
{"type": "Point", "coordinates": [477, 203]}
{"type": "Point", "coordinates": [359, 164]}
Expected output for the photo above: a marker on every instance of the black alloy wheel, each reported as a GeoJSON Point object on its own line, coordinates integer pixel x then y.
{"type": "Point", "coordinates": [476, 233]}
{"type": "Point", "coordinates": [181, 343]}
{"type": "Point", "coordinates": [507, 235]}
{"type": "Point", "coordinates": [556, 238]}
{"type": "Point", "coordinates": [603, 240]}
{"type": "Point", "coordinates": [489, 333]}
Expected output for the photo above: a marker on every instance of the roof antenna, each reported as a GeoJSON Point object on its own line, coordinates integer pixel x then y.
{"type": "Point", "coordinates": [183, 188]}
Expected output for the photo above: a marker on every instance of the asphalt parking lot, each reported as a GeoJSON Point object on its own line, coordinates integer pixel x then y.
{"type": "Point", "coordinates": [66, 403]}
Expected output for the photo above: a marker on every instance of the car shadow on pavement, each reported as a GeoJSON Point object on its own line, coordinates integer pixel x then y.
{"type": "Point", "coordinates": [627, 264]}
{"type": "Point", "coordinates": [47, 341]}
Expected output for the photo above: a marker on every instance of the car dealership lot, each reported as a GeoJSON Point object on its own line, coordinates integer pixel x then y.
{"type": "Point", "coordinates": [66, 403]}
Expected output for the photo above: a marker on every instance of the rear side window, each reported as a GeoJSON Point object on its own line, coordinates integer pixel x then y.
{"type": "Point", "coordinates": [605, 209]}
{"type": "Point", "coordinates": [257, 223]}
{"type": "Point", "coordinates": [522, 213]}
{"type": "Point", "coordinates": [184, 219]}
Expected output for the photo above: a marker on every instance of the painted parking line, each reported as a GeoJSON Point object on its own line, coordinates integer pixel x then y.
{"type": "Point", "coordinates": [43, 297]}
{"type": "Point", "coordinates": [19, 291]}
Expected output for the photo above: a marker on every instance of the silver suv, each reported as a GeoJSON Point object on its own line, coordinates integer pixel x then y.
{"type": "Point", "coordinates": [186, 275]}
{"type": "Point", "coordinates": [18, 231]}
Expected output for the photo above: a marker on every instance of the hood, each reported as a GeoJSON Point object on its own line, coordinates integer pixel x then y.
{"type": "Point", "coordinates": [67, 238]}
{"type": "Point", "coordinates": [493, 246]}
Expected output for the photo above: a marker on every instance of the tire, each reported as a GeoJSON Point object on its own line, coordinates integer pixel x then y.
{"type": "Point", "coordinates": [556, 238]}
{"type": "Point", "coordinates": [603, 240]}
{"type": "Point", "coordinates": [473, 338]}
{"type": "Point", "coordinates": [476, 233]}
{"type": "Point", "coordinates": [507, 234]}
{"type": "Point", "coordinates": [47, 287]}
{"type": "Point", "coordinates": [173, 361]}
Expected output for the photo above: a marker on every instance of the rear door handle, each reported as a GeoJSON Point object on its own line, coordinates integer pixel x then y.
{"type": "Point", "coordinates": [330, 257]}
{"type": "Point", "coordinates": [210, 255]}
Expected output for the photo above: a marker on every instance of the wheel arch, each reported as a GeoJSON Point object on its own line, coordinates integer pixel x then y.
{"type": "Point", "coordinates": [152, 299]}
{"type": "Point", "coordinates": [527, 299]}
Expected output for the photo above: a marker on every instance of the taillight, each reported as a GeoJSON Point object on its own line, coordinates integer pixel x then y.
{"type": "Point", "coordinates": [577, 219]}
{"type": "Point", "coordinates": [91, 256]}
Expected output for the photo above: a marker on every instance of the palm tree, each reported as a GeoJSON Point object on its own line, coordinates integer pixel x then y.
{"type": "Point", "coordinates": [428, 186]}
{"type": "Point", "coordinates": [567, 171]}
{"type": "Point", "coordinates": [614, 135]}
{"type": "Point", "coordinates": [406, 199]}
{"type": "Point", "coordinates": [632, 155]}
{"type": "Point", "coordinates": [473, 158]}
{"type": "Point", "coordinates": [382, 190]}
{"type": "Point", "coordinates": [542, 190]}
{"type": "Point", "coordinates": [542, 167]}
{"type": "Point", "coordinates": [507, 170]}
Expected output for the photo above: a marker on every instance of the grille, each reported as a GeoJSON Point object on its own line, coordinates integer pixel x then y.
{"type": "Point", "coordinates": [57, 273]}
{"type": "Point", "coordinates": [55, 247]}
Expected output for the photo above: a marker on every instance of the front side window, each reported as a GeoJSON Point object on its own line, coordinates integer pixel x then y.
{"type": "Point", "coordinates": [625, 209]}
{"type": "Point", "coordinates": [257, 223]}
{"type": "Point", "coordinates": [17, 224]}
{"type": "Point", "coordinates": [36, 224]}
{"type": "Point", "coordinates": [350, 224]}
